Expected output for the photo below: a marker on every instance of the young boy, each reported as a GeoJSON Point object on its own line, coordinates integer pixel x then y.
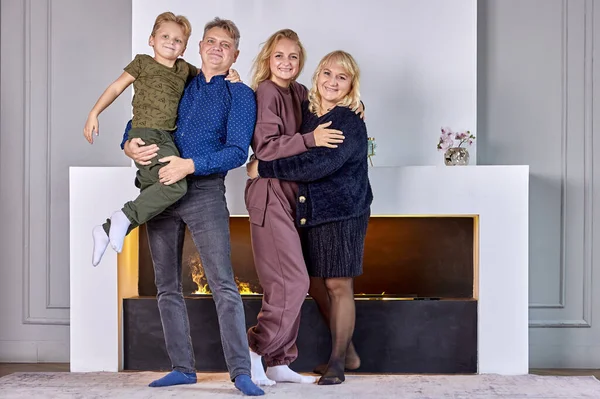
{"type": "Point", "coordinates": [158, 84]}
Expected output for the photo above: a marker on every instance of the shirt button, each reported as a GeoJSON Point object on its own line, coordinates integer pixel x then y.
{"type": "Point", "coordinates": [303, 221]}
{"type": "Point", "coordinates": [302, 199]}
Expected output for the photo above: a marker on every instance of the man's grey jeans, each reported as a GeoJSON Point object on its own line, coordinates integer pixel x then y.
{"type": "Point", "coordinates": [204, 210]}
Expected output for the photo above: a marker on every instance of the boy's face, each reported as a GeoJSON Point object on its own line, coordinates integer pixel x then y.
{"type": "Point", "coordinates": [168, 41]}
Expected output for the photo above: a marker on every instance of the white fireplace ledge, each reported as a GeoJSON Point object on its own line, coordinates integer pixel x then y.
{"type": "Point", "coordinates": [498, 195]}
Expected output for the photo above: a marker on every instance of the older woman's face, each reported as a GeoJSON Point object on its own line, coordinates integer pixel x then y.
{"type": "Point", "coordinates": [284, 62]}
{"type": "Point", "coordinates": [334, 83]}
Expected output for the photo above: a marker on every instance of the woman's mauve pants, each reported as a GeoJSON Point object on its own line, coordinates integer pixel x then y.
{"type": "Point", "coordinates": [282, 273]}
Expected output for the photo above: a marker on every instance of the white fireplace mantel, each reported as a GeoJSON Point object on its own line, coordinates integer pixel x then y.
{"type": "Point", "coordinates": [498, 195]}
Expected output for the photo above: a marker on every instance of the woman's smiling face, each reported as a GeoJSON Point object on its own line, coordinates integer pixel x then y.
{"type": "Point", "coordinates": [334, 83]}
{"type": "Point", "coordinates": [284, 62]}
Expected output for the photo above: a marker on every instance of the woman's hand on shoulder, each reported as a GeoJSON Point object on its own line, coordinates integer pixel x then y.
{"type": "Point", "coordinates": [360, 111]}
{"type": "Point", "coordinates": [325, 137]}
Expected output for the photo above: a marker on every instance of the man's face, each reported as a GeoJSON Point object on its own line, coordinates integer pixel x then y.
{"type": "Point", "coordinates": [217, 49]}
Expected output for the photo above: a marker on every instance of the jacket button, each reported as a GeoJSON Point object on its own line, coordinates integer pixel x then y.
{"type": "Point", "coordinates": [303, 221]}
{"type": "Point", "coordinates": [302, 199]}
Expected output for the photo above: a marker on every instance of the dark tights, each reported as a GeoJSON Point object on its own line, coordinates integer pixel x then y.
{"type": "Point", "coordinates": [335, 299]}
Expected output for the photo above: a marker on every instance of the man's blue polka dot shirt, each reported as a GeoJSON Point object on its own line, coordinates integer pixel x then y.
{"type": "Point", "coordinates": [215, 124]}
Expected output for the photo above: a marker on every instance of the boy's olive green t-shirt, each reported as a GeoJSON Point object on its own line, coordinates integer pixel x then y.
{"type": "Point", "coordinates": [157, 91]}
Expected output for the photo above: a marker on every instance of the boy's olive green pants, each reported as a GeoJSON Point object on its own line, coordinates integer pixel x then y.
{"type": "Point", "coordinates": [154, 196]}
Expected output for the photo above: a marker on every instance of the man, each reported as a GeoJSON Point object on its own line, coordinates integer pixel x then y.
{"type": "Point", "coordinates": [214, 128]}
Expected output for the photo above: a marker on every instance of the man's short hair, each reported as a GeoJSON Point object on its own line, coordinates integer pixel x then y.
{"type": "Point", "coordinates": [227, 25]}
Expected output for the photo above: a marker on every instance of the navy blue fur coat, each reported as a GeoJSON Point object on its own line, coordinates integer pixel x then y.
{"type": "Point", "coordinates": [333, 182]}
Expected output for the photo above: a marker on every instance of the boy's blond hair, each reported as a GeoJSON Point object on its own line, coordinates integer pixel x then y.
{"type": "Point", "coordinates": [178, 19]}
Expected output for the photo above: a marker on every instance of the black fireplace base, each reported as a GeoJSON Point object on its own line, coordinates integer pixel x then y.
{"type": "Point", "coordinates": [391, 336]}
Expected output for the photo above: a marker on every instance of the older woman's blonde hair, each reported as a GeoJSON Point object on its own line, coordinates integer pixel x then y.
{"type": "Point", "coordinates": [347, 62]}
{"type": "Point", "coordinates": [261, 69]}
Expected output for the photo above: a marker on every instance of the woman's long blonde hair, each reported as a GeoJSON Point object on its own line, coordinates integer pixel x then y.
{"type": "Point", "coordinates": [261, 69]}
{"type": "Point", "coordinates": [346, 61]}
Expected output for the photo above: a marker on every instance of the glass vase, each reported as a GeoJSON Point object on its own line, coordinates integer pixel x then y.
{"type": "Point", "coordinates": [456, 156]}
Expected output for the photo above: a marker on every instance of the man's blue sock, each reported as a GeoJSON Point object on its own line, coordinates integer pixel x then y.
{"type": "Point", "coordinates": [245, 384]}
{"type": "Point", "coordinates": [174, 378]}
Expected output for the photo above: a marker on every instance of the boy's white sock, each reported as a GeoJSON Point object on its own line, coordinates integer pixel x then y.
{"type": "Point", "coordinates": [100, 244]}
{"type": "Point", "coordinates": [118, 229]}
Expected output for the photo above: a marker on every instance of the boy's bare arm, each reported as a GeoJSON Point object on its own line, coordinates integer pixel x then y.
{"type": "Point", "coordinates": [110, 94]}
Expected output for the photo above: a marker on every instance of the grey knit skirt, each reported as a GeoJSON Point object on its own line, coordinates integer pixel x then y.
{"type": "Point", "coordinates": [335, 249]}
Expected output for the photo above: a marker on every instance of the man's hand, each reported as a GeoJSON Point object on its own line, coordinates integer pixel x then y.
{"type": "Point", "coordinates": [139, 152]}
{"type": "Point", "coordinates": [176, 169]}
{"type": "Point", "coordinates": [252, 169]}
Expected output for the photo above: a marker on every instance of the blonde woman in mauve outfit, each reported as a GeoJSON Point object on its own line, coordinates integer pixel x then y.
{"type": "Point", "coordinates": [271, 206]}
{"type": "Point", "coordinates": [333, 202]}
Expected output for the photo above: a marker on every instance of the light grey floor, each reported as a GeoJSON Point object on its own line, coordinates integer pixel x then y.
{"type": "Point", "coordinates": [134, 385]}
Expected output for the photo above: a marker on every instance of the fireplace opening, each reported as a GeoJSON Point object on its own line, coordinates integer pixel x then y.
{"type": "Point", "coordinates": [431, 260]}
{"type": "Point", "coordinates": [405, 257]}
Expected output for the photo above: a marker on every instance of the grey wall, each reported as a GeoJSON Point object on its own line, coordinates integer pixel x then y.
{"type": "Point", "coordinates": [537, 105]}
{"type": "Point", "coordinates": [411, 90]}
{"type": "Point", "coordinates": [57, 58]}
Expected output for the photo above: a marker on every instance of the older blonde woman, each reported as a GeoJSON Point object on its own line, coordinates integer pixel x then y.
{"type": "Point", "coordinates": [333, 201]}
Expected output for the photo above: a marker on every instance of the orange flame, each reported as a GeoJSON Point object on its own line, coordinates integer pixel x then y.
{"type": "Point", "coordinates": [199, 278]}
{"type": "Point", "coordinates": [244, 288]}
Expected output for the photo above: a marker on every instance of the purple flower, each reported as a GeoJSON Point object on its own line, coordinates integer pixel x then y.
{"type": "Point", "coordinates": [450, 139]}
{"type": "Point", "coordinates": [445, 143]}
{"type": "Point", "coordinates": [462, 135]}
{"type": "Point", "coordinates": [447, 131]}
